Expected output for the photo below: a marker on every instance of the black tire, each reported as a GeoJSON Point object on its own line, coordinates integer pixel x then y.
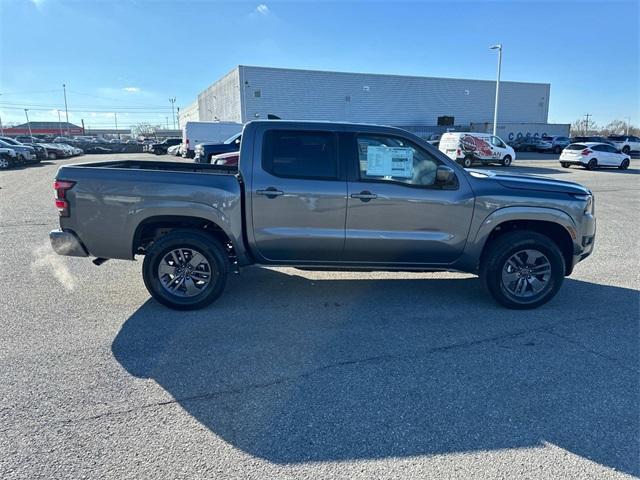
{"type": "Point", "coordinates": [502, 249]}
{"type": "Point", "coordinates": [593, 164]}
{"type": "Point", "coordinates": [506, 161]}
{"type": "Point", "coordinates": [467, 162]}
{"type": "Point", "coordinates": [557, 150]}
{"type": "Point", "coordinates": [564, 165]}
{"type": "Point", "coordinates": [626, 149]}
{"type": "Point", "coordinates": [624, 165]}
{"type": "Point", "coordinates": [199, 242]}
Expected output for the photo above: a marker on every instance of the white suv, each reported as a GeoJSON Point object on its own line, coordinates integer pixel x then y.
{"type": "Point", "coordinates": [625, 143]}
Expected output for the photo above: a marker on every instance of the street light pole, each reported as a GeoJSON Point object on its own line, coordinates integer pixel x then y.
{"type": "Point", "coordinates": [115, 115]}
{"type": "Point", "coordinates": [66, 110]}
{"type": "Point", "coordinates": [1, 127]}
{"type": "Point", "coordinates": [173, 113]}
{"type": "Point", "coordinates": [59, 123]}
{"type": "Point", "coordinates": [586, 124]}
{"type": "Point", "coordinates": [498, 47]}
{"type": "Point", "coordinates": [26, 114]}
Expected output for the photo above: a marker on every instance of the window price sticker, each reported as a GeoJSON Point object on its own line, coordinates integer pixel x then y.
{"type": "Point", "coordinates": [390, 162]}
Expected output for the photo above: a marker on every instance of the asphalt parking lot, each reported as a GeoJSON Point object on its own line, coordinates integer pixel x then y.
{"type": "Point", "coordinates": [296, 374]}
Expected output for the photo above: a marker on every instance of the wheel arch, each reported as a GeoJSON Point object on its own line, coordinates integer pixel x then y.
{"type": "Point", "coordinates": [153, 227]}
{"type": "Point", "coordinates": [550, 229]}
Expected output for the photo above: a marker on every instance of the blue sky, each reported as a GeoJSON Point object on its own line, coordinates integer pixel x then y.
{"type": "Point", "coordinates": [129, 57]}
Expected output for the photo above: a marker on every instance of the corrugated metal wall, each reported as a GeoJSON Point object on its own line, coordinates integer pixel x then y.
{"type": "Point", "coordinates": [221, 101]}
{"type": "Point", "coordinates": [385, 99]}
{"type": "Point", "coordinates": [189, 113]}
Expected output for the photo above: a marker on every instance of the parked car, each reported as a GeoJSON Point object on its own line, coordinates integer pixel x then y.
{"type": "Point", "coordinates": [625, 143]}
{"type": "Point", "coordinates": [468, 148]}
{"type": "Point", "coordinates": [175, 150]}
{"type": "Point", "coordinates": [556, 143]}
{"type": "Point", "coordinates": [530, 144]}
{"type": "Point", "coordinates": [54, 152]}
{"type": "Point", "coordinates": [39, 151]}
{"type": "Point", "coordinates": [591, 139]}
{"type": "Point", "coordinates": [205, 151]}
{"type": "Point", "coordinates": [8, 158]}
{"type": "Point", "coordinates": [593, 155]}
{"type": "Point", "coordinates": [213, 133]}
{"type": "Point", "coordinates": [162, 147]}
{"type": "Point", "coordinates": [229, 159]}
{"type": "Point", "coordinates": [25, 153]}
{"type": "Point", "coordinates": [97, 150]}
{"type": "Point", "coordinates": [325, 195]}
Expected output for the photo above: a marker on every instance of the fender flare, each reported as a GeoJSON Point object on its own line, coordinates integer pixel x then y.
{"type": "Point", "coordinates": [506, 214]}
{"type": "Point", "coordinates": [145, 212]}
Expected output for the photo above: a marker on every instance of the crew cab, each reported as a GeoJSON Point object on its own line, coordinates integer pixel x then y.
{"type": "Point", "coordinates": [316, 195]}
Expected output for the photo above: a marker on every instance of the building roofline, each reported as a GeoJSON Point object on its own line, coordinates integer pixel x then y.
{"type": "Point", "coordinates": [386, 75]}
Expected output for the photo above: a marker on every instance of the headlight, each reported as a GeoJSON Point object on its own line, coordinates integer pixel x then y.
{"type": "Point", "coordinates": [589, 207]}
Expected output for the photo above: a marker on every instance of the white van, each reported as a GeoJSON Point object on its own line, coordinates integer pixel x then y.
{"type": "Point", "coordinates": [206, 132]}
{"type": "Point", "coordinates": [468, 148]}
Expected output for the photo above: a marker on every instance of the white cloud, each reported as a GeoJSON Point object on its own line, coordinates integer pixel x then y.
{"type": "Point", "coordinates": [262, 9]}
{"type": "Point", "coordinates": [131, 89]}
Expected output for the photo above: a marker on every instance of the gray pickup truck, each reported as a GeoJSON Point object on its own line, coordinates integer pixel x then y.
{"type": "Point", "coordinates": [325, 196]}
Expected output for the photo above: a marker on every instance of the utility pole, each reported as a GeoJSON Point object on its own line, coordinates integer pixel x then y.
{"type": "Point", "coordinates": [66, 110]}
{"type": "Point", "coordinates": [586, 124]}
{"type": "Point", "coordinates": [173, 113]}
{"type": "Point", "coordinates": [26, 114]}
{"type": "Point", "coordinates": [1, 128]}
{"type": "Point", "coordinates": [628, 122]}
{"type": "Point", "coordinates": [495, 110]}
{"type": "Point", "coordinates": [59, 123]}
{"type": "Point", "coordinates": [167, 119]}
{"type": "Point", "coordinates": [178, 117]}
{"type": "Point", "coordinates": [115, 115]}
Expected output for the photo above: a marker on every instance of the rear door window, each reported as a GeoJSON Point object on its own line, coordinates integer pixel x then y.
{"type": "Point", "coordinates": [300, 154]}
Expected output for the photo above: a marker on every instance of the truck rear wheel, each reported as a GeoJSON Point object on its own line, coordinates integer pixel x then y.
{"type": "Point", "coordinates": [185, 270]}
{"type": "Point", "coordinates": [467, 162]}
{"type": "Point", "coordinates": [522, 269]}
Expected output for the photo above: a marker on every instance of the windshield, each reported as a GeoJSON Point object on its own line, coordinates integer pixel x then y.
{"type": "Point", "coordinates": [232, 138]}
{"type": "Point", "coordinates": [11, 141]}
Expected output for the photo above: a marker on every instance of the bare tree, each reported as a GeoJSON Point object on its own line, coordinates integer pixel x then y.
{"type": "Point", "coordinates": [580, 127]}
{"type": "Point", "coordinates": [144, 129]}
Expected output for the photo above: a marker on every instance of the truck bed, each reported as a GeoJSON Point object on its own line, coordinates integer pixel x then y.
{"type": "Point", "coordinates": [110, 200]}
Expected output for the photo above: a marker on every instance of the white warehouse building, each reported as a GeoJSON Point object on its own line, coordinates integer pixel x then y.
{"type": "Point", "coordinates": [420, 104]}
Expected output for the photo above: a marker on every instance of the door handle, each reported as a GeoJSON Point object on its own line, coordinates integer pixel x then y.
{"type": "Point", "coordinates": [270, 192]}
{"type": "Point", "coordinates": [365, 195]}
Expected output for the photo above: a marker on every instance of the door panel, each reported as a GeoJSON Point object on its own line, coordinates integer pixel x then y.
{"type": "Point", "coordinates": [305, 223]}
{"type": "Point", "coordinates": [407, 225]}
{"type": "Point", "coordinates": [401, 215]}
{"type": "Point", "coordinates": [298, 197]}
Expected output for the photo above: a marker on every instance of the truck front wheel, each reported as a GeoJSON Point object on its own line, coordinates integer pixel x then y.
{"type": "Point", "coordinates": [185, 270]}
{"type": "Point", "coordinates": [522, 269]}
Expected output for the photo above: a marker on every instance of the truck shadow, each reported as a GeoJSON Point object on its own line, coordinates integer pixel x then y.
{"type": "Point", "coordinates": [342, 369]}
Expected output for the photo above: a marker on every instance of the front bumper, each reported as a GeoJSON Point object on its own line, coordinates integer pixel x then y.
{"type": "Point", "coordinates": [585, 241]}
{"type": "Point", "coordinates": [65, 242]}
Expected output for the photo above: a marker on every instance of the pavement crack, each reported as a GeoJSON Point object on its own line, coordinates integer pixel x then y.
{"type": "Point", "coordinates": [582, 346]}
{"type": "Point", "coordinates": [291, 378]}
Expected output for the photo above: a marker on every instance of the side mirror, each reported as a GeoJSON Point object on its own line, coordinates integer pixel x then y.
{"type": "Point", "coordinates": [445, 175]}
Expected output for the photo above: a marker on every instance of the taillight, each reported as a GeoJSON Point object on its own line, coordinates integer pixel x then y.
{"type": "Point", "coordinates": [61, 186]}
{"type": "Point", "coordinates": [586, 152]}
{"type": "Point", "coordinates": [458, 152]}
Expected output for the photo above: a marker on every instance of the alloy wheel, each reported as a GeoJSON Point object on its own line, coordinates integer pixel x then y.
{"type": "Point", "coordinates": [185, 272]}
{"type": "Point", "coordinates": [526, 273]}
